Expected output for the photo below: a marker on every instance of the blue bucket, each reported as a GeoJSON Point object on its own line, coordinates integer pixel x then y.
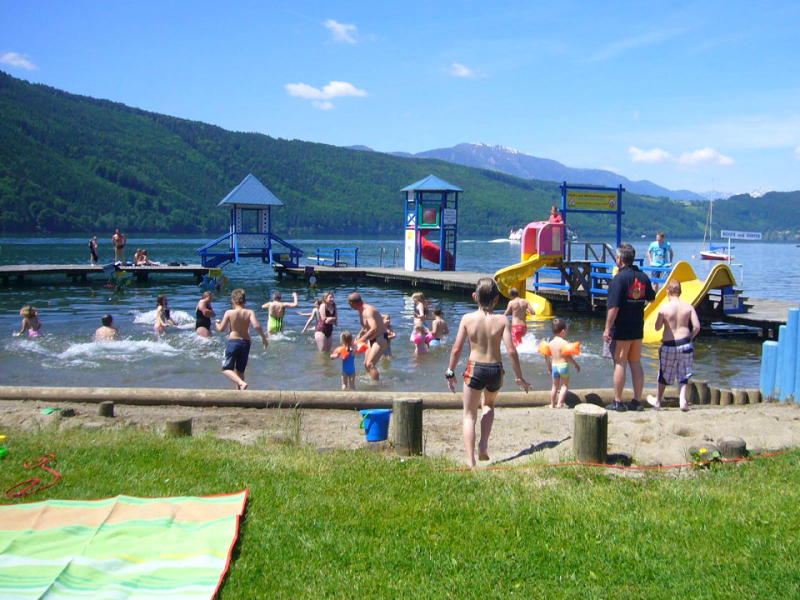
{"type": "Point", "coordinates": [375, 423]}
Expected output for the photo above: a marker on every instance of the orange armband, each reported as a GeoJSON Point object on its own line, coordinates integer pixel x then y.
{"type": "Point", "coordinates": [573, 349]}
{"type": "Point", "coordinates": [544, 349]}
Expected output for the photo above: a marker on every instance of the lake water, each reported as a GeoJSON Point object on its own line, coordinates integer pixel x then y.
{"type": "Point", "coordinates": [67, 356]}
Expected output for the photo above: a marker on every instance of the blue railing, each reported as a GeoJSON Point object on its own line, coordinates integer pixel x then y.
{"type": "Point", "coordinates": [336, 256]}
{"type": "Point", "coordinates": [602, 274]}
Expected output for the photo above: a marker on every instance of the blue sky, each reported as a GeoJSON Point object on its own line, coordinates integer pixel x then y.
{"type": "Point", "coordinates": [681, 93]}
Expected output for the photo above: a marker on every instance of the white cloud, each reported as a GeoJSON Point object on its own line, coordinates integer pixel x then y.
{"type": "Point", "coordinates": [657, 156]}
{"type": "Point", "coordinates": [335, 89]}
{"type": "Point", "coordinates": [14, 59]}
{"type": "Point", "coordinates": [459, 70]}
{"type": "Point", "coordinates": [342, 32]}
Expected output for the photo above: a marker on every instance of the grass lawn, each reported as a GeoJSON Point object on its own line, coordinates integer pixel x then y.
{"type": "Point", "coordinates": [368, 525]}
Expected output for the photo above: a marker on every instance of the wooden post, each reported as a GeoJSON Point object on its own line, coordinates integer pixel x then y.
{"type": "Point", "coordinates": [106, 409]}
{"type": "Point", "coordinates": [179, 428]}
{"type": "Point", "coordinates": [692, 395]}
{"type": "Point", "coordinates": [739, 397]}
{"type": "Point", "coordinates": [591, 434]}
{"type": "Point", "coordinates": [703, 396]}
{"type": "Point", "coordinates": [714, 394]}
{"type": "Point", "coordinates": [725, 398]}
{"type": "Point", "coordinates": [732, 447]}
{"type": "Point", "coordinates": [753, 396]}
{"type": "Point", "coordinates": [408, 426]}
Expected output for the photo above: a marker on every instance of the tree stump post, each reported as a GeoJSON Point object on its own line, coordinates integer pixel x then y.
{"type": "Point", "coordinates": [179, 428]}
{"type": "Point", "coordinates": [408, 426]}
{"type": "Point", "coordinates": [754, 396]}
{"type": "Point", "coordinates": [732, 447]}
{"type": "Point", "coordinates": [692, 395]}
{"type": "Point", "coordinates": [725, 398]}
{"type": "Point", "coordinates": [739, 397]}
{"type": "Point", "coordinates": [703, 395]}
{"type": "Point", "coordinates": [591, 434]}
{"type": "Point", "coordinates": [106, 409]}
{"type": "Point", "coordinates": [714, 394]}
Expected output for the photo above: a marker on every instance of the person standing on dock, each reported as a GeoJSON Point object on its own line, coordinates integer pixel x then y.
{"type": "Point", "coordinates": [118, 240]}
{"type": "Point", "coordinates": [373, 331]}
{"type": "Point", "coordinates": [93, 257]}
{"type": "Point", "coordinates": [629, 291]}
{"type": "Point", "coordinates": [519, 309]}
{"type": "Point", "coordinates": [657, 255]}
{"type": "Point", "coordinates": [483, 376]}
{"type": "Point", "coordinates": [676, 356]}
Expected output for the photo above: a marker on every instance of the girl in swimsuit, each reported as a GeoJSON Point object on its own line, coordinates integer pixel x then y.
{"type": "Point", "coordinates": [421, 314]}
{"type": "Point", "coordinates": [347, 352]}
{"type": "Point", "coordinates": [323, 332]}
{"type": "Point", "coordinates": [30, 321]}
{"type": "Point", "coordinates": [202, 316]}
{"type": "Point", "coordinates": [163, 320]}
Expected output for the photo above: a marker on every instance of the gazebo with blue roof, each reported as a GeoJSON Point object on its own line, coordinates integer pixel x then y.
{"type": "Point", "coordinates": [250, 233]}
{"type": "Point", "coordinates": [431, 214]}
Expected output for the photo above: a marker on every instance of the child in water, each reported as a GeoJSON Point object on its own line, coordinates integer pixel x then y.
{"type": "Point", "coordinates": [558, 355]}
{"type": "Point", "coordinates": [30, 321]}
{"type": "Point", "coordinates": [163, 319]}
{"type": "Point", "coordinates": [390, 335]}
{"type": "Point", "coordinates": [439, 327]}
{"type": "Point", "coordinates": [347, 352]}
{"type": "Point", "coordinates": [420, 338]}
{"type": "Point", "coordinates": [421, 314]}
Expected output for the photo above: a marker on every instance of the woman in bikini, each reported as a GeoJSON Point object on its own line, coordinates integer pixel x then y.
{"type": "Point", "coordinates": [323, 332]}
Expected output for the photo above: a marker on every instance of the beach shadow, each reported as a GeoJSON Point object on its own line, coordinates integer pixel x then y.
{"type": "Point", "coordinates": [534, 449]}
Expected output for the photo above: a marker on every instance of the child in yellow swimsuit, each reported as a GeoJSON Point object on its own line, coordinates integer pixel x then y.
{"type": "Point", "coordinates": [558, 355]}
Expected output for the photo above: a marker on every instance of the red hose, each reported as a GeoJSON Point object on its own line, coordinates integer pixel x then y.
{"type": "Point", "coordinates": [33, 484]}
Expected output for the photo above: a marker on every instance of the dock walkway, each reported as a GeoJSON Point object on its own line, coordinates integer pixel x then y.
{"type": "Point", "coordinates": [20, 273]}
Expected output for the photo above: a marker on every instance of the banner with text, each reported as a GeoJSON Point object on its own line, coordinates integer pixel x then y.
{"type": "Point", "coordinates": [740, 235]}
{"type": "Point", "coordinates": [588, 200]}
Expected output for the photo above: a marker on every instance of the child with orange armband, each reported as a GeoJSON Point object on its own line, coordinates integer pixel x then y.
{"type": "Point", "coordinates": [347, 352]}
{"type": "Point", "coordinates": [558, 354]}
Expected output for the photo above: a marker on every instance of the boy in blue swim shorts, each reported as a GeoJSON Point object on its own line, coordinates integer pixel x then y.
{"type": "Point", "coordinates": [558, 355]}
{"type": "Point", "coordinates": [239, 319]}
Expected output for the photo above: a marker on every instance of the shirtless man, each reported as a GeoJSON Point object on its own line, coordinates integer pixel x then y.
{"type": "Point", "coordinates": [373, 331]}
{"type": "Point", "coordinates": [519, 309]}
{"type": "Point", "coordinates": [118, 240]}
{"type": "Point", "coordinates": [107, 332]}
{"type": "Point", "coordinates": [676, 356]}
{"type": "Point", "coordinates": [237, 352]}
{"type": "Point", "coordinates": [277, 310]}
{"type": "Point", "coordinates": [483, 376]}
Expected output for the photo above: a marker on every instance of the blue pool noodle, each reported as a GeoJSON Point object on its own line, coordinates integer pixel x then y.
{"type": "Point", "coordinates": [790, 357]}
{"type": "Point", "coordinates": [769, 360]}
{"type": "Point", "coordinates": [776, 390]}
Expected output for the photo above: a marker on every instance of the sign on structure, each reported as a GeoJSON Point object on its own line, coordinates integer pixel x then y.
{"type": "Point", "coordinates": [740, 235]}
{"type": "Point", "coordinates": [591, 200]}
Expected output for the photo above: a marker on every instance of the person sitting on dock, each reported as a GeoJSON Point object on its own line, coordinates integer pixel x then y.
{"type": "Point", "coordinates": [107, 331]}
{"type": "Point", "coordinates": [373, 331]}
{"type": "Point", "coordinates": [138, 258]}
{"type": "Point", "coordinates": [277, 310]}
{"type": "Point", "coordinates": [237, 352]}
{"type": "Point", "coordinates": [118, 240]}
{"type": "Point", "coordinates": [676, 356]}
{"type": "Point", "coordinates": [519, 309]}
{"type": "Point", "coordinates": [483, 376]}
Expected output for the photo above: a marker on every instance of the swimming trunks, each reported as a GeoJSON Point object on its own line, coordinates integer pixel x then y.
{"type": "Point", "coordinates": [237, 353]}
{"type": "Point", "coordinates": [200, 320]}
{"type": "Point", "coordinates": [275, 324]}
{"type": "Point", "coordinates": [479, 375]}
{"type": "Point", "coordinates": [435, 342]}
{"type": "Point", "coordinates": [33, 333]}
{"type": "Point", "coordinates": [517, 333]}
{"type": "Point", "coordinates": [676, 361]}
{"type": "Point", "coordinates": [560, 370]}
{"type": "Point", "coordinates": [385, 336]}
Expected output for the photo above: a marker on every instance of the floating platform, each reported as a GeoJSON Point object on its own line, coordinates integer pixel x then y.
{"type": "Point", "coordinates": [20, 273]}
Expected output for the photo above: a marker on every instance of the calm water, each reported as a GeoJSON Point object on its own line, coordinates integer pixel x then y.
{"type": "Point", "coordinates": [66, 354]}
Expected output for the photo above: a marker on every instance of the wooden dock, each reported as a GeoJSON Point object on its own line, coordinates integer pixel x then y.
{"type": "Point", "coordinates": [766, 315]}
{"type": "Point", "coordinates": [20, 273]}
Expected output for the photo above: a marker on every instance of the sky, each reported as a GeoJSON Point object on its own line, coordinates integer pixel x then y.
{"type": "Point", "coordinates": [689, 95]}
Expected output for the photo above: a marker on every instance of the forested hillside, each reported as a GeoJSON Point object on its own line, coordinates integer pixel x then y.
{"type": "Point", "coordinates": [70, 163]}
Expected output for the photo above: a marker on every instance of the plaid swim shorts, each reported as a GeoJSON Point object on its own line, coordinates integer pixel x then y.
{"type": "Point", "coordinates": [676, 360]}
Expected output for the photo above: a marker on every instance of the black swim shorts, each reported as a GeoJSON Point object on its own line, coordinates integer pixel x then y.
{"type": "Point", "coordinates": [480, 375]}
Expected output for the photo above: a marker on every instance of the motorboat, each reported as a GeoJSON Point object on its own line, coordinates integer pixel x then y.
{"type": "Point", "coordinates": [515, 235]}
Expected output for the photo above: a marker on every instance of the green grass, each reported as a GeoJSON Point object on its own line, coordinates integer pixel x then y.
{"type": "Point", "coordinates": [367, 525]}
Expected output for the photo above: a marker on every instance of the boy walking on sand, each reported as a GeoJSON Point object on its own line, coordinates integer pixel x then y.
{"type": "Point", "coordinates": [483, 376]}
{"type": "Point", "coordinates": [558, 355]}
{"type": "Point", "coordinates": [519, 309]}
{"type": "Point", "coordinates": [676, 356]}
{"type": "Point", "coordinates": [237, 352]}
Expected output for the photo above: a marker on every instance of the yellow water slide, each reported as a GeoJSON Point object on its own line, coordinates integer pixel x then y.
{"type": "Point", "coordinates": [692, 290]}
{"type": "Point", "coordinates": [516, 276]}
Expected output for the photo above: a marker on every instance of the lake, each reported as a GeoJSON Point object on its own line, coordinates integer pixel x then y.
{"type": "Point", "coordinates": [67, 356]}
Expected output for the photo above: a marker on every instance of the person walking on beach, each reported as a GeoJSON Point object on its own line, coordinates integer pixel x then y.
{"type": "Point", "coordinates": [629, 291]}
{"type": "Point", "coordinates": [118, 240]}
{"type": "Point", "coordinates": [660, 254]}
{"type": "Point", "coordinates": [373, 331]}
{"type": "Point", "coordinates": [237, 352]}
{"type": "Point", "coordinates": [107, 331]}
{"type": "Point", "coordinates": [93, 257]}
{"type": "Point", "coordinates": [558, 355]}
{"type": "Point", "coordinates": [483, 376]}
{"type": "Point", "coordinates": [676, 356]}
{"type": "Point", "coordinates": [277, 310]}
{"type": "Point", "coordinates": [519, 309]}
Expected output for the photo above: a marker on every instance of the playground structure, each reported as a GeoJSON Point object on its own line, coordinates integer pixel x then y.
{"type": "Point", "coordinates": [250, 233]}
{"type": "Point", "coordinates": [780, 369]}
{"type": "Point", "coordinates": [431, 209]}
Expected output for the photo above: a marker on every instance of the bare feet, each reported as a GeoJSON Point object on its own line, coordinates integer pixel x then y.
{"type": "Point", "coordinates": [243, 386]}
{"type": "Point", "coordinates": [482, 454]}
{"type": "Point", "coordinates": [653, 401]}
{"type": "Point", "coordinates": [560, 405]}
{"type": "Point", "coordinates": [684, 407]}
